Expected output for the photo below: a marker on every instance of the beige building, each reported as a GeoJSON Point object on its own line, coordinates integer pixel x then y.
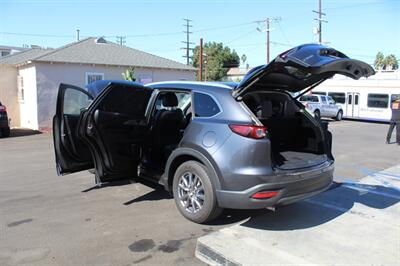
{"type": "Point", "coordinates": [29, 79]}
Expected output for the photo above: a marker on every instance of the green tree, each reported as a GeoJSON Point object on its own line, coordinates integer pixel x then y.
{"type": "Point", "coordinates": [217, 60]}
{"type": "Point", "coordinates": [129, 74]}
{"type": "Point", "coordinates": [379, 61]}
{"type": "Point", "coordinates": [390, 62]}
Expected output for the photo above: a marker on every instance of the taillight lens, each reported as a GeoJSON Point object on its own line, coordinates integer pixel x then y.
{"type": "Point", "coordinates": [3, 108]}
{"type": "Point", "coordinates": [249, 131]}
{"type": "Point", "coordinates": [264, 195]}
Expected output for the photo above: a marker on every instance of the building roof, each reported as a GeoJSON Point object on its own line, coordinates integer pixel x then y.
{"type": "Point", "coordinates": [101, 52]}
{"type": "Point", "coordinates": [6, 47]}
{"type": "Point", "coordinates": [235, 71]}
{"type": "Point", "coordinates": [23, 56]}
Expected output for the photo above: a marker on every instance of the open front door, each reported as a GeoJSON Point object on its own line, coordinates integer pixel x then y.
{"type": "Point", "coordinates": [71, 154]}
{"type": "Point", "coordinates": [115, 128]}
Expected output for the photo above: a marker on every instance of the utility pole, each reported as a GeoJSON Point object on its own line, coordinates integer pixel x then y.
{"type": "Point", "coordinates": [77, 35]}
{"type": "Point", "coordinates": [201, 60]}
{"type": "Point", "coordinates": [267, 30]}
{"type": "Point", "coordinates": [121, 40]}
{"type": "Point", "coordinates": [320, 20]}
{"type": "Point", "coordinates": [187, 42]}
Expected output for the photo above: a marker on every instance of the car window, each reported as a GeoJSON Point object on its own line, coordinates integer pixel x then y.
{"type": "Point", "coordinates": [125, 100]}
{"type": "Point", "coordinates": [323, 99]}
{"type": "Point", "coordinates": [319, 92]}
{"type": "Point", "coordinates": [205, 105]}
{"type": "Point", "coordinates": [74, 102]}
{"type": "Point", "coordinates": [183, 100]}
{"type": "Point", "coordinates": [378, 100]}
{"type": "Point", "coordinates": [330, 100]}
{"type": "Point", "coordinates": [339, 97]}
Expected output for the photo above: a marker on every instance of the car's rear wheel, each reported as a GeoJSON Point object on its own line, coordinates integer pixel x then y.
{"type": "Point", "coordinates": [194, 194]}
{"type": "Point", "coordinates": [317, 114]}
{"type": "Point", "coordinates": [5, 132]}
{"type": "Point", "coordinates": [339, 115]}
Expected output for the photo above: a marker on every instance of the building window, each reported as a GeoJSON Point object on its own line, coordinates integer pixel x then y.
{"type": "Point", "coordinates": [92, 77]}
{"type": "Point", "coordinates": [378, 100]}
{"type": "Point", "coordinates": [4, 53]}
{"type": "Point", "coordinates": [21, 90]}
{"type": "Point", "coordinates": [339, 97]}
{"type": "Point", "coordinates": [319, 92]}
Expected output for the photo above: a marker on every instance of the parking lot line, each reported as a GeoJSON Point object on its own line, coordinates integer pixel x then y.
{"type": "Point", "coordinates": [353, 223]}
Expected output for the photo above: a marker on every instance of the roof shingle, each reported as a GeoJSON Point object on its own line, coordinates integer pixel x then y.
{"type": "Point", "coordinates": [90, 51]}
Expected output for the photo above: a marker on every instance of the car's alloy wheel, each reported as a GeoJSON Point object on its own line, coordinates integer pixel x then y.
{"type": "Point", "coordinates": [191, 192]}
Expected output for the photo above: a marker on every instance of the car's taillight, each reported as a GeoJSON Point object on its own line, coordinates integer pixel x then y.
{"type": "Point", "coordinates": [264, 195]}
{"type": "Point", "coordinates": [3, 108]}
{"type": "Point", "coordinates": [249, 131]}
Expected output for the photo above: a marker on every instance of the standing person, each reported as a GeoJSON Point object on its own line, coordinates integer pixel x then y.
{"type": "Point", "coordinates": [395, 121]}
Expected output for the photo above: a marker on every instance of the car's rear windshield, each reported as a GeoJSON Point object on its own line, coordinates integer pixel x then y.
{"type": "Point", "coordinates": [309, 98]}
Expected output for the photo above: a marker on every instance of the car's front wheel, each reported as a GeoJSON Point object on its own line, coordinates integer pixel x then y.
{"type": "Point", "coordinates": [194, 194]}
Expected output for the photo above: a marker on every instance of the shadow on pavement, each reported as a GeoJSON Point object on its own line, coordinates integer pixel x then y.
{"type": "Point", "coordinates": [22, 132]}
{"type": "Point", "coordinates": [325, 207]}
{"type": "Point", "coordinates": [110, 184]}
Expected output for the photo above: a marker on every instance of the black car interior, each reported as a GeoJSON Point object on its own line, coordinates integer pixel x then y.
{"type": "Point", "coordinates": [290, 130]}
{"type": "Point", "coordinates": [118, 120]}
{"type": "Point", "coordinates": [168, 122]}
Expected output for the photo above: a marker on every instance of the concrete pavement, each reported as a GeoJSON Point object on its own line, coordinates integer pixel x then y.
{"type": "Point", "coordinates": [351, 224]}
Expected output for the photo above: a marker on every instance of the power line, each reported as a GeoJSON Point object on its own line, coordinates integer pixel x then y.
{"type": "Point", "coordinates": [121, 40]}
{"type": "Point", "coordinates": [267, 30]}
{"type": "Point", "coordinates": [320, 20]}
{"type": "Point", "coordinates": [187, 42]}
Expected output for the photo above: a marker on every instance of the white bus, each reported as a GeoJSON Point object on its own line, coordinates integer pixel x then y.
{"type": "Point", "coordinates": [364, 99]}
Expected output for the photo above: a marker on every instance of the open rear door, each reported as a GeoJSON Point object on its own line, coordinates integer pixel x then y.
{"type": "Point", "coordinates": [300, 68]}
{"type": "Point", "coordinates": [115, 127]}
{"type": "Point", "coordinates": [72, 155]}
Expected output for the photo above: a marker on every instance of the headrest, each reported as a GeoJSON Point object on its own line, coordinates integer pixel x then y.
{"type": "Point", "coordinates": [169, 100]}
{"type": "Point", "coordinates": [290, 109]}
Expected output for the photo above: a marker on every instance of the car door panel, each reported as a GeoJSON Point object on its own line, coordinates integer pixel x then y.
{"type": "Point", "coordinates": [115, 128]}
{"type": "Point", "coordinates": [71, 153]}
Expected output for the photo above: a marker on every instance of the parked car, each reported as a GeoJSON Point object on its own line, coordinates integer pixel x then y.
{"type": "Point", "coordinates": [4, 123]}
{"type": "Point", "coordinates": [212, 145]}
{"type": "Point", "coordinates": [322, 106]}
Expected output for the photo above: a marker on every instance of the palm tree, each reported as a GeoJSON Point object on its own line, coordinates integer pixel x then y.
{"type": "Point", "coordinates": [379, 61]}
{"type": "Point", "coordinates": [390, 62]}
{"type": "Point", "coordinates": [129, 74]}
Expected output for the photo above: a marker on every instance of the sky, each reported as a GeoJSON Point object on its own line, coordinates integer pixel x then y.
{"type": "Point", "coordinates": [357, 28]}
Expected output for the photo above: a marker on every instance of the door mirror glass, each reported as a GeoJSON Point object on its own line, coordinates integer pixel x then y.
{"type": "Point", "coordinates": [75, 101]}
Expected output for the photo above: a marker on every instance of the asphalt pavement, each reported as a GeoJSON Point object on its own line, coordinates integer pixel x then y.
{"type": "Point", "coordinates": [47, 219]}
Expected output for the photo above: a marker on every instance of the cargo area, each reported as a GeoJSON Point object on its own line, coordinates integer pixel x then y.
{"type": "Point", "coordinates": [297, 139]}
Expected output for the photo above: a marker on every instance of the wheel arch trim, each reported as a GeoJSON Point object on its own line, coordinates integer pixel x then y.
{"type": "Point", "coordinates": [181, 155]}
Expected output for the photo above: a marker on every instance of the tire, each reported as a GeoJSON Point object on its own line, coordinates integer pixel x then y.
{"type": "Point", "coordinates": [339, 115]}
{"type": "Point", "coordinates": [317, 114]}
{"type": "Point", "coordinates": [5, 132]}
{"type": "Point", "coordinates": [201, 202]}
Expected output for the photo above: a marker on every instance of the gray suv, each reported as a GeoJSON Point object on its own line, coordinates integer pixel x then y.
{"type": "Point", "coordinates": [213, 145]}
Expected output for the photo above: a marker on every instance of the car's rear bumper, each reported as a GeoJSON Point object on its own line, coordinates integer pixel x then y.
{"type": "Point", "coordinates": [297, 186]}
